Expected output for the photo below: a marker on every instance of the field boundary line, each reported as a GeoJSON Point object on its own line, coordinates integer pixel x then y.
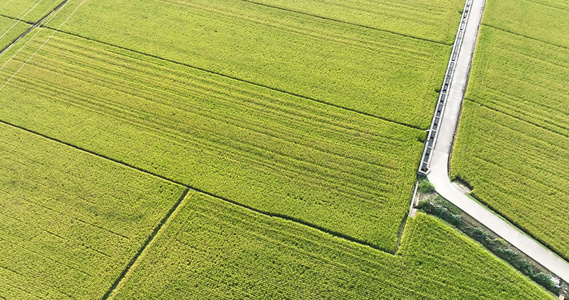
{"type": "Point", "coordinates": [269, 214]}
{"type": "Point", "coordinates": [158, 229]}
{"type": "Point", "coordinates": [345, 22]}
{"type": "Point", "coordinates": [15, 19]}
{"type": "Point", "coordinates": [524, 36]}
{"type": "Point", "coordinates": [93, 153]}
{"type": "Point", "coordinates": [515, 117]}
{"type": "Point", "coordinates": [20, 20]}
{"type": "Point", "coordinates": [34, 25]}
{"type": "Point", "coordinates": [245, 81]}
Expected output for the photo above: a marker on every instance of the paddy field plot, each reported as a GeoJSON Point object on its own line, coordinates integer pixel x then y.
{"type": "Point", "coordinates": [513, 138]}
{"type": "Point", "coordinates": [291, 124]}
{"type": "Point", "coordinates": [339, 170]}
{"type": "Point", "coordinates": [10, 30]}
{"type": "Point", "coordinates": [212, 249]}
{"type": "Point", "coordinates": [70, 222]}
{"type": "Point", "coordinates": [426, 19]}
{"type": "Point", "coordinates": [373, 71]}
{"type": "Point", "coordinates": [543, 20]}
{"type": "Point", "coordinates": [284, 112]}
{"type": "Point", "coordinates": [29, 11]}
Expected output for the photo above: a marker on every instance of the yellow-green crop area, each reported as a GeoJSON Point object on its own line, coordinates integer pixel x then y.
{"type": "Point", "coordinates": [296, 130]}
{"type": "Point", "coordinates": [368, 70]}
{"type": "Point", "coordinates": [272, 151]}
{"type": "Point", "coordinates": [70, 222]}
{"type": "Point", "coordinates": [27, 10]}
{"type": "Point", "coordinates": [513, 140]}
{"type": "Point", "coordinates": [11, 29]}
{"type": "Point", "coordinates": [219, 251]}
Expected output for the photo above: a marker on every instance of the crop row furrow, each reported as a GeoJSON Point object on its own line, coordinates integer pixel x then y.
{"type": "Point", "coordinates": [522, 151]}
{"type": "Point", "coordinates": [275, 235]}
{"type": "Point", "coordinates": [239, 156]}
{"type": "Point", "coordinates": [124, 66]}
{"type": "Point", "coordinates": [280, 153]}
{"type": "Point", "coordinates": [25, 247]}
{"type": "Point", "coordinates": [199, 110]}
{"type": "Point", "coordinates": [513, 106]}
{"type": "Point", "coordinates": [514, 172]}
{"type": "Point", "coordinates": [395, 50]}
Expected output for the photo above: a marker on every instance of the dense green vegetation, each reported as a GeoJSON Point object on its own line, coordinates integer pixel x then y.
{"type": "Point", "coordinates": [70, 221]}
{"type": "Point", "coordinates": [359, 68]}
{"type": "Point", "coordinates": [306, 128]}
{"type": "Point", "coordinates": [427, 19]}
{"type": "Point", "coordinates": [513, 140]}
{"type": "Point", "coordinates": [275, 152]}
{"type": "Point", "coordinates": [543, 20]}
{"type": "Point", "coordinates": [27, 10]}
{"type": "Point", "coordinates": [10, 30]}
{"type": "Point", "coordinates": [212, 249]}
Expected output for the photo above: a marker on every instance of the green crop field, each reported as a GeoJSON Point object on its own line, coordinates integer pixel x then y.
{"type": "Point", "coordinates": [218, 251]}
{"type": "Point", "coordinates": [10, 30]}
{"type": "Point", "coordinates": [513, 141]}
{"type": "Point", "coordinates": [70, 221]}
{"type": "Point", "coordinates": [27, 10]}
{"type": "Point", "coordinates": [364, 69]}
{"type": "Point", "coordinates": [275, 152]}
{"type": "Point", "coordinates": [542, 20]}
{"type": "Point", "coordinates": [284, 112]}
{"type": "Point", "coordinates": [296, 127]}
{"type": "Point", "coordinates": [433, 20]}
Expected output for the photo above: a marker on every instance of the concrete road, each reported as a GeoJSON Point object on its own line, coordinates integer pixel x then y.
{"type": "Point", "coordinates": [439, 176]}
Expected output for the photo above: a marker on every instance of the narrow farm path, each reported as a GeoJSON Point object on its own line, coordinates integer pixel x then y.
{"type": "Point", "coordinates": [439, 166]}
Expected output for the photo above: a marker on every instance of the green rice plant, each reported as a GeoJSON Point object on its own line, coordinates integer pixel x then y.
{"type": "Point", "coordinates": [271, 151]}
{"type": "Point", "coordinates": [213, 249]}
{"type": "Point", "coordinates": [425, 186]}
{"type": "Point", "coordinates": [29, 11]}
{"type": "Point", "coordinates": [545, 20]}
{"type": "Point", "coordinates": [70, 221]}
{"type": "Point", "coordinates": [513, 139]}
{"type": "Point", "coordinates": [10, 30]}
{"type": "Point", "coordinates": [426, 19]}
{"type": "Point", "coordinates": [376, 72]}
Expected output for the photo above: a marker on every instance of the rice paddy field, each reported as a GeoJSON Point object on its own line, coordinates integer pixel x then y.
{"type": "Point", "coordinates": [513, 138]}
{"type": "Point", "coordinates": [269, 150]}
{"type": "Point", "coordinates": [232, 253]}
{"type": "Point", "coordinates": [226, 149]}
{"type": "Point", "coordinates": [15, 29]}
{"type": "Point", "coordinates": [73, 221]}
{"type": "Point", "coordinates": [70, 221]}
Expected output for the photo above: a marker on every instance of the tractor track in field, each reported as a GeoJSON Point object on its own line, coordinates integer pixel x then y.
{"type": "Point", "coordinates": [233, 77]}
{"type": "Point", "coordinates": [222, 198]}
{"type": "Point", "coordinates": [436, 165]}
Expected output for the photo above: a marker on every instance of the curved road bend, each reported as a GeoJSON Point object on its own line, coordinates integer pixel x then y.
{"type": "Point", "coordinates": [439, 176]}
